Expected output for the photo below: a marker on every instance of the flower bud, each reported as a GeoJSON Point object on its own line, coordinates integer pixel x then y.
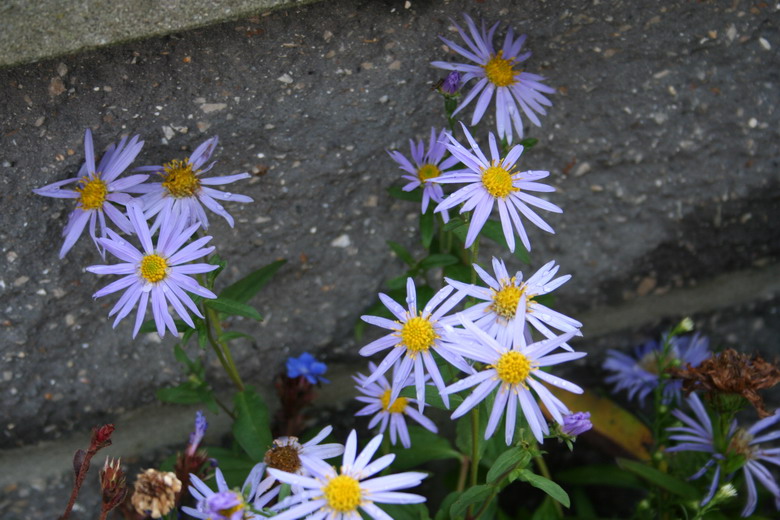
{"type": "Point", "coordinates": [113, 484]}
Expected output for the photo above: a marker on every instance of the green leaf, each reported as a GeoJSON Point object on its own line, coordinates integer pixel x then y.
{"type": "Point", "coordinates": [235, 465]}
{"type": "Point", "coordinates": [399, 282]}
{"type": "Point", "coordinates": [406, 511]}
{"type": "Point", "coordinates": [548, 486]}
{"type": "Point", "coordinates": [211, 276]}
{"type": "Point", "coordinates": [402, 253]}
{"type": "Point", "coordinates": [411, 196]}
{"type": "Point", "coordinates": [233, 334]}
{"type": "Point", "coordinates": [432, 397]}
{"type": "Point", "coordinates": [599, 475]}
{"type": "Point", "coordinates": [458, 272]}
{"type": "Point", "coordinates": [505, 463]}
{"type": "Point", "coordinates": [437, 260]}
{"type": "Point", "coordinates": [247, 287]}
{"type": "Point", "coordinates": [444, 508]}
{"type": "Point", "coordinates": [183, 393]}
{"type": "Point", "coordinates": [234, 308]}
{"type": "Point", "coordinates": [426, 446]}
{"type": "Point", "coordinates": [426, 228]}
{"type": "Point", "coordinates": [463, 437]}
{"type": "Point", "coordinates": [473, 495]}
{"type": "Point", "coordinates": [493, 230]}
{"type": "Point", "coordinates": [663, 480]}
{"type": "Point", "coordinates": [529, 142]}
{"type": "Point", "coordinates": [252, 426]}
{"type": "Point", "coordinates": [453, 224]}
{"type": "Point", "coordinates": [545, 511]}
{"type": "Point", "coordinates": [583, 505]}
{"type": "Point", "coordinates": [149, 326]}
{"type": "Point", "coordinates": [203, 333]}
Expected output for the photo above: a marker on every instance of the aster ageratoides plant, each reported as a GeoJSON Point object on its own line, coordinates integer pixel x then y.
{"type": "Point", "coordinates": [494, 182]}
{"type": "Point", "coordinates": [226, 503]}
{"type": "Point", "coordinates": [341, 494]}
{"type": "Point", "coordinates": [183, 190]}
{"type": "Point", "coordinates": [415, 334]}
{"type": "Point", "coordinates": [427, 166]}
{"type": "Point", "coordinates": [513, 371]}
{"type": "Point", "coordinates": [160, 273]}
{"type": "Point", "coordinates": [97, 190]}
{"type": "Point", "coordinates": [500, 73]}
{"type": "Point", "coordinates": [499, 312]}
{"type": "Point", "coordinates": [388, 412]}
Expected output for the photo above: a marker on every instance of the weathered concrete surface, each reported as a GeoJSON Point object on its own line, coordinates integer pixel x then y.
{"type": "Point", "coordinates": [662, 143]}
{"type": "Point", "coordinates": [31, 31]}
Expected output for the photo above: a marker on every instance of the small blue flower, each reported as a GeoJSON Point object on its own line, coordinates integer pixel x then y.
{"type": "Point", "coordinates": [308, 367]}
{"type": "Point", "coordinates": [638, 373]}
{"type": "Point", "coordinates": [452, 83]}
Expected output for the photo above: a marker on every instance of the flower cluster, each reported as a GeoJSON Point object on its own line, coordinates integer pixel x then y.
{"type": "Point", "coordinates": [159, 272]}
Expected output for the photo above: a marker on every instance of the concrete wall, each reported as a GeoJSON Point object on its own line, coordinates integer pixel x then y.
{"type": "Point", "coordinates": [662, 142]}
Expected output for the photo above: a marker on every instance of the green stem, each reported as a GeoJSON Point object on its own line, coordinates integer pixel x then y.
{"type": "Point", "coordinates": [474, 445]}
{"type": "Point", "coordinates": [542, 465]}
{"type": "Point", "coordinates": [221, 348]}
{"type": "Point", "coordinates": [463, 474]}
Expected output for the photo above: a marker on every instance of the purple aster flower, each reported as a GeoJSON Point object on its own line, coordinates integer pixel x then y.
{"type": "Point", "coordinates": [196, 436]}
{"type": "Point", "coordinates": [513, 372]}
{"type": "Point", "coordinates": [376, 395]}
{"type": "Point", "coordinates": [638, 373]}
{"type": "Point", "coordinates": [508, 301]}
{"type": "Point", "coordinates": [427, 166]}
{"type": "Point", "coordinates": [97, 191]}
{"type": "Point", "coordinates": [414, 335]}
{"type": "Point", "coordinates": [160, 273]}
{"type": "Point", "coordinates": [452, 83]}
{"type": "Point", "coordinates": [227, 504]}
{"type": "Point", "coordinates": [338, 493]}
{"type": "Point", "coordinates": [576, 423]}
{"type": "Point", "coordinates": [495, 182]}
{"type": "Point", "coordinates": [184, 191]}
{"type": "Point", "coordinates": [305, 365]}
{"type": "Point", "coordinates": [499, 73]}
{"type": "Point", "coordinates": [696, 434]}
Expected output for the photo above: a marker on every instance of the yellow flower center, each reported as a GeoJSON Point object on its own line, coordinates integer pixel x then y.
{"type": "Point", "coordinates": [180, 180]}
{"type": "Point", "coordinates": [498, 181]}
{"type": "Point", "coordinates": [397, 406]}
{"type": "Point", "coordinates": [226, 513]}
{"type": "Point", "coordinates": [418, 334]}
{"type": "Point", "coordinates": [92, 192]}
{"type": "Point", "coordinates": [513, 367]}
{"type": "Point", "coordinates": [154, 268]}
{"type": "Point", "coordinates": [499, 71]}
{"type": "Point", "coordinates": [505, 300]}
{"type": "Point", "coordinates": [342, 493]}
{"type": "Point", "coordinates": [284, 458]}
{"type": "Point", "coordinates": [428, 171]}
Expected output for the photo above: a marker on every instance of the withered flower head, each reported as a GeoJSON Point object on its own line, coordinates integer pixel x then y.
{"type": "Point", "coordinates": [284, 455]}
{"type": "Point", "coordinates": [731, 372]}
{"type": "Point", "coordinates": [113, 483]}
{"type": "Point", "coordinates": [155, 492]}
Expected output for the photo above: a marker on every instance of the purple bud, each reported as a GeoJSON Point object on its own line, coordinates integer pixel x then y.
{"type": "Point", "coordinates": [576, 423]}
{"type": "Point", "coordinates": [200, 429]}
{"type": "Point", "coordinates": [451, 85]}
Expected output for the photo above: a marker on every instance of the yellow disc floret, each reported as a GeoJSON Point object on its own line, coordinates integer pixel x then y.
{"type": "Point", "coordinates": [513, 367]}
{"type": "Point", "coordinates": [342, 493]}
{"type": "Point", "coordinates": [498, 181]}
{"type": "Point", "coordinates": [418, 334]}
{"type": "Point", "coordinates": [505, 300]}
{"type": "Point", "coordinates": [397, 406]}
{"type": "Point", "coordinates": [154, 268]}
{"type": "Point", "coordinates": [227, 513]}
{"type": "Point", "coordinates": [499, 71]}
{"type": "Point", "coordinates": [179, 179]}
{"type": "Point", "coordinates": [92, 192]}
{"type": "Point", "coordinates": [427, 171]}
